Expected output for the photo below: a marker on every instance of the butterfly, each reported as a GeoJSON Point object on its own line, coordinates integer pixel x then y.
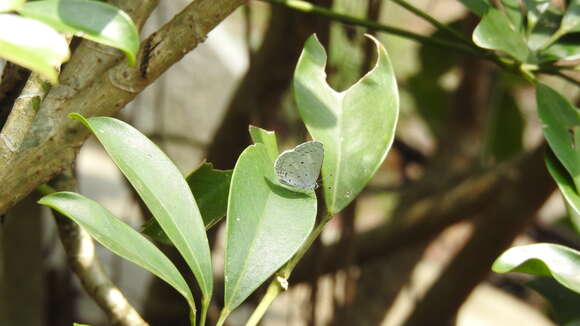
{"type": "Point", "coordinates": [300, 167]}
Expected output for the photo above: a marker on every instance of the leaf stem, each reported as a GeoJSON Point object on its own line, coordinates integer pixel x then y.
{"type": "Point", "coordinates": [192, 316]}
{"type": "Point", "coordinates": [451, 31]}
{"type": "Point", "coordinates": [275, 288]}
{"type": "Point", "coordinates": [309, 8]}
{"type": "Point", "coordinates": [559, 33]}
{"type": "Point", "coordinates": [204, 307]}
{"type": "Point", "coordinates": [223, 316]}
{"type": "Point", "coordinates": [565, 77]}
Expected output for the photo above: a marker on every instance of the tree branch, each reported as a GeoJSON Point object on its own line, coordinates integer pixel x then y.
{"type": "Point", "coordinates": [53, 139]}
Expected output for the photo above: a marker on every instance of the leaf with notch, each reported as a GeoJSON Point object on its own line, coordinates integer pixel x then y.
{"type": "Point", "coordinates": [356, 126]}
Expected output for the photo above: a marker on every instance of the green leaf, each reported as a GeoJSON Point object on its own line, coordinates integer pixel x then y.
{"type": "Point", "coordinates": [210, 188]}
{"type": "Point", "coordinates": [266, 225]}
{"type": "Point", "coordinates": [566, 185]}
{"type": "Point", "coordinates": [268, 138]}
{"type": "Point", "coordinates": [117, 237]}
{"type": "Point", "coordinates": [478, 7]}
{"type": "Point", "coordinates": [514, 14]}
{"type": "Point", "coordinates": [32, 45]}
{"type": "Point", "coordinates": [495, 32]}
{"type": "Point", "coordinates": [162, 188]}
{"type": "Point", "coordinates": [93, 20]}
{"type": "Point", "coordinates": [357, 126]}
{"type": "Point", "coordinates": [9, 5]}
{"type": "Point", "coordinates": [77, 324]}
{"type": "Point", "coordinates": [561, 122]}
{"type": "Point", "coordinates": [544, 259]}
{"type": "Point", "coordinates": [564, 303]}
{"type": "Point", "coordinates": [571, 20]}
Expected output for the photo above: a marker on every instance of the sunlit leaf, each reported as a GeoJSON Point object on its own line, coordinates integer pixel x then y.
{"type": "Point", "coordinates": [495, 32]}
{"type": "Point", "coordinates": [268, 138]}
{"type": "Point", "coordinates": [266, 225]}
{"type": "Point", "coordinates": [117, 237]}
{"type": "Point", "coordinates": [356, 126]}
{"type": "Point", "coordinates": [10, 5]}
{"type": "Point", "coordinates": [163, 189]}
{"type": "Point", "coordinates": [32, 45]}
{"type": "Point", "coordinates": [94, 20]}
{"type": "Point", "coordinates": [544, 259]}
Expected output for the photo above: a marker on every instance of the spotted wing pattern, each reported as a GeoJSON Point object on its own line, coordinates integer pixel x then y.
{"type": "Point", "coordinates": [300, 167]}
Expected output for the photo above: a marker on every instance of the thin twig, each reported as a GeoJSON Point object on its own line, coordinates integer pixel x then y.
{"type": "Point", "coordinates": [563, 76]}
{"type": "Point", "coordinates": [309, 8]}
{"type": "Point", "coordinates": [444, 27]}
{"type": "Point", "coordinates": [275, 286]}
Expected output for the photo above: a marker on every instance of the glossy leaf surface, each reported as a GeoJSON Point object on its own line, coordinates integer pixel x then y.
{"type": "Point", "coordinates": [163, 189]}
{"type": "Point", "coordinates": [266, 224]}
{"type": "Point", "coordinates": [32, 45]}
{"type": "Point", "coordinates": [356, 126]}
{"type": "Point", "coordinates": [544, 259]}
{"type": "Point", "coordinates": [94, 20]}
{"type": "Point", "coordinates": [118, 237]}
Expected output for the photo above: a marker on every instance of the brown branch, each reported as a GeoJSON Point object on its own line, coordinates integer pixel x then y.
{"type": "Point", "coordinates": [495, 229]}
{"type": "Point", "coordinates": [81, 256]}
{"type": "Point", "coordinates": [54, 138]}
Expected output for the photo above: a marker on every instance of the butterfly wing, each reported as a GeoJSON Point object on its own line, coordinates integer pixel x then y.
{"type": "Point", "coordinates": [300, 166]}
